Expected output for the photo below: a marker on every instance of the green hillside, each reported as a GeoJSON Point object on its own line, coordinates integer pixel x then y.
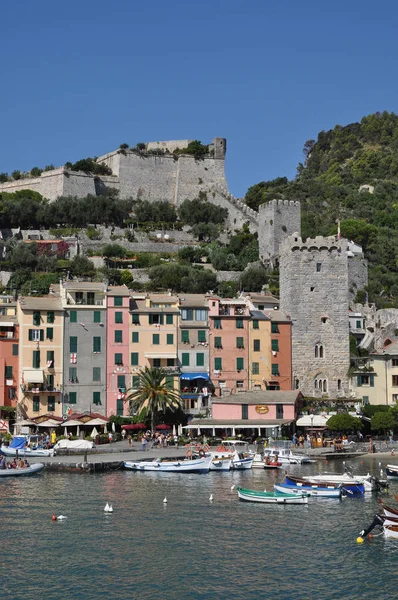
{"type": "Point", "coordinates": [328, 185]}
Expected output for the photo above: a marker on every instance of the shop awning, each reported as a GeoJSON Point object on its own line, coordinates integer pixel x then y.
{"type": "Point", "coordinates": [160, 355]}
{"type": "Point", "coordinates": [190, 376]}
{"type": "Point", "coordinates": [33, 376]}
{"type": "Point", "coordinates": [6, 324]}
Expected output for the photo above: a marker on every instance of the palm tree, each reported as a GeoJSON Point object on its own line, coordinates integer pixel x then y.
{"type": "Point", "coordinates": [153, 393]}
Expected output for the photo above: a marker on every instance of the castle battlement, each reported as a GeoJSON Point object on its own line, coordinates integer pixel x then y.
{"type": "Point", "coordinates": [295, 243]}
{"type": "Point", "coordinates": [278, 202]}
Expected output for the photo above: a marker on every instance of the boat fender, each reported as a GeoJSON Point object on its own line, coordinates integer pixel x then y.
{"type": "Point", "coordinates": [53, 518]}
{"type": "Point", "coordinates": [188, 453]}
{"type": "Point", "coordinates": [202, 453]}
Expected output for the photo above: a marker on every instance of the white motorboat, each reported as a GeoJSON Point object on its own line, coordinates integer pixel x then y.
{"type": "Point", "coordinates": [221, 464]}
{"type": "Point", "coordinates": [369, 482]}
{"type": "Point", "coordinates": [19, 443]}
{"type": "Point", "coordinates": [285, 456]}
{"type": "Point", "coordinates": [237, 451]}
{"type": "Point", "coordinates": [166, 465]}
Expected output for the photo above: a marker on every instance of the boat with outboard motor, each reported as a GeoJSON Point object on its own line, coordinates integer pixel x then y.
{"type": "Point", "coordinates": [351, 487]}
{"type": "Point", "coordinates": [20, 444]}
{"type": "Point", "coordinates": [370, 482]}
{"type": "Point", "coordinates": [286, 456]}
{"type": "Point", "coordinates": [390, 530]}
{"type": "Point", "coordinates": [271, 497]}
{"type": "Point", "coordinates": [392, 472]}
{"type": "Point", "coordinates": [22, 471]}
{"type": "Point", "coordinates": [200, 464]}
{"type": "Point", "coordinates": [238, 451]}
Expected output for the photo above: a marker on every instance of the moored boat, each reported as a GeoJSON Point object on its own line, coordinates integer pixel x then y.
{"type": "Point", "coordinates": [224, 463]}
{"type": "Point", "coordinates": [22, 472]}
{"type": "Point", "coordinates": [370, 483]}
{"type": "Point", "coordinates": [19, 443]}
{"type": "Point", "coordinates": [271, 497]}
{"type": "Point", "coordinates": [388, 511]}
{"type": "Point", "coordinates": [236, 450]}
{"type": "Point", "coordinates": [166, 465]}
{"type": "Point", "coordinates": [391, 531]}
{"type": "Point", "coordinates": [320, 492]}
{"type": "Point", "coordinates": [286, 456]}
{"type": "Point", "coordinates": [392, 472]}
{"type": "Point", "coordinates": [351, 487]}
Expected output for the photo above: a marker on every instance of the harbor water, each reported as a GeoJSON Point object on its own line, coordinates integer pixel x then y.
{"type": "Point", "coordinates": [190, 547]}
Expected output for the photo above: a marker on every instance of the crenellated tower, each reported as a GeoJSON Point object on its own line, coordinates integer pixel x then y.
{"type": "Point", "coordinates": [277, 220]}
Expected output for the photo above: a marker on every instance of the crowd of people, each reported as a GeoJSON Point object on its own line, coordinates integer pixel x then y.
{"type": "Point", "coordinates": [158, 440]}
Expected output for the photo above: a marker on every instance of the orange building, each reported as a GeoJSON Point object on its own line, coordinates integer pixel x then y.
{"type": "Point", "coordinates": [281, 350]}
{"type": "Point", "coordinates": [9, 360]}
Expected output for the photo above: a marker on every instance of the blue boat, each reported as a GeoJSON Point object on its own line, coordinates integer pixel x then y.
{"type": "Point", "coordinates": [317, 492]}
{"type": "Point", "coordinates": [351, 488]}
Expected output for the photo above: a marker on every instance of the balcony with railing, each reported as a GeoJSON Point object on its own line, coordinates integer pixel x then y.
{"type": "Point", "coordinates": [85, 299]}
{"type": "Point", "coordinates": [34, 388]}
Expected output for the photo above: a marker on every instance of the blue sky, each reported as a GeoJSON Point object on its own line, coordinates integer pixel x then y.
{"type": "Point", "coordinates": [80, 78]}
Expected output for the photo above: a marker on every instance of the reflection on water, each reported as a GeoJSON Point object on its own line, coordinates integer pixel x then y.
{"type": "Point", "coordinates": [191, 547]}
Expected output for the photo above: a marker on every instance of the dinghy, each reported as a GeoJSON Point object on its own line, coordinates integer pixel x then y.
{"type": "Point", "coordinates": [22, 472]}
{"type": "Point", "coordinates": [19, 444]}
{"type": "Point", "coordinates": [271, 497]}
{"type": "Point", "coordinates": [391, 531]}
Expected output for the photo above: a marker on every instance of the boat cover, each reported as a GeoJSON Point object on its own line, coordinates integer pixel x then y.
{"type": "Point", "coordinates": [18, 442]}
{"type": "Point", "coordinates": [74, 444]}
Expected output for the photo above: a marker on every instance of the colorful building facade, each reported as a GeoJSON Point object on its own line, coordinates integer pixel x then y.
{"type": "Point", "coordinates": [9, 351]}
{"type": "Point", "coordinates": [118, 378]}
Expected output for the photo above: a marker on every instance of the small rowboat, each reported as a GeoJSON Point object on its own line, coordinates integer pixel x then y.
{"type": "Point", "coordinates": [159, 465]}
{"type": "Point", "coordinates": [317, 492]}
{"type": "Point", "coordinates": [391, 531]}
{"type": "Point", "coordinates": [388, 511]}
{"type": "Point", "coordinates": [271, 497]}
{"type": "Point", "coordinates": [19, 472]}
{"type": "Point", "coordinates": [392, 472]}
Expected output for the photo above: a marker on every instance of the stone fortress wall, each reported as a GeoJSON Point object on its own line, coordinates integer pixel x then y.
{"type": "Point", "coordinates": [315, 279]}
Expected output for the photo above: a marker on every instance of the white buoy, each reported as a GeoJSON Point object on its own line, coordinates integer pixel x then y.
{"type": "Point", "coordinates": [379, 464]}
{"type": "Point", "coordinates": [232, 487]}
{"type": "Point", "coordinates": [106, 509]}
{"type": "Point", "coordinates": [381, 472]}
{"type": "Point", "coordinates": [165, 500]}
{"type": "Point", "coordinates": [61, 517]}
{"type": "Point", "coordinates": [211, 498]}
{"type": "Point", "coordinates": [110, 509]}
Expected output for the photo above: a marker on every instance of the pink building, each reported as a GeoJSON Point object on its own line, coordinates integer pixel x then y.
{"type": "Point", "coordinates": [229, 344]}
{"type": "Point", "coordinates": [259, 413]}
{"type": "Point", "coordinates": [117, 361]}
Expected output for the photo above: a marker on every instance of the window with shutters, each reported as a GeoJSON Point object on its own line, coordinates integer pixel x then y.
{"type": "Point", "coordinates": [218, 363]}
{"type": "Point", "coordinates": [135, 382]}
{"type": "Point", "coordinates": [245, 411]}
{"type": "Point", "coordinates": [12, 393]}
{"type": "Point", "coordinates": [279, 411]}
{"type": "Point", "coordinates": [135, 319]}
{"type": "Point", "coordinates": [96, 373]}
{"type": "Point", "coordinates": [97, 345]}
{"type": "Point", "coordinates": [97, 316]}
{"type": "Point", "coordinates": [274, 328]}
{"type": "Point", "coordinates": [73, 316]}
{"type": "Point", "coordinates": [200, 359]}
{"type": "Point", "coordinates": [239, 342]}
{"type": "Point", "coordinates": [36, 359]}
{"type": "Point", "coordinates": [135, 337]}
{"type": "Point", "coordinates": [72, 398]}
{"type": "Point", "coordinates": [118, 358]}
{"type": "Point", "coordinates": [155, 319]}
{"type": "Point", "coordinates": [118, 301]}
{"type": "Point", "coordinates": [134, 359]}
{"type": "Point", "coordinates": [240, 363]}
{"type": "Point", "coordinates": [121, 383]}
{"type": "Point", "coordinates": [73, 343]}
{"type": "Point", "coordinates": [185, 359]}
{"type": "Point", "coordinates": [255, 324]}
{"type": "Point", "coordinates": [217, 324]}
{"type": "Point", "coordinates": [275, 345]}
{"type": "Point", "coordinates": [8, 372]}
{"type": "Point", "coordinates": [50, 316]}
{"type": "Point", "coordinates": [157, 363]}
{"type": "Point", "coordinates": [36, 403]}
{"type": "Point", "coordinates": [239, 323]}
{"type": "Point", "coordinates": [36, 335]}
{"type": "Point", "coordinates": [118, 317]}
{"type": "Point", "coordinates": [256, 346]}
{"type": "Point", "coordinates": [51, 403]}
{"type": "Point", "coordinates": [50, 359]}
{"type": "Point", "coordinates": [50, 333]}
{"type": "Point", "coordinates": [97, 398]}
{"type": "Point", "coordinates": [36, 318]}
{"type": "Point", "coordinates": [217, 342]}
{"type": "Point", "coordinates": [170, 339]}
{"type": "Point", "coordinates": [118, 336]}
{"type": "Point", "coordinates": [50, 382]}
{"type": "Point", "coordinates": [187, 314]}
{"type": "Point", "coordinates": [255, 368]}
{"type": "Point", "coordinates": [200, 314]}
{"type": "Point", "coordinates": [155, 339]}
{"type": "Point", "coordinates": [73, 374]}
{"type": "Point", "coordinates": [119, 407]}
{"type": "Point", "coordinates": [15, 349]}
{"type": "Point", "coordinates": [275, 369]}
{"type": "Point", "coordinates": [169, 319]}
{"type": "Point", "coordinates": [201, 336]}
{"type": "Point", "coordinates": [185, 336]}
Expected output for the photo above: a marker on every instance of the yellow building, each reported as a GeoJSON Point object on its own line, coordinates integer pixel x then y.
{"type": "Point", "coordinates": [259, 350]}
{"type": "Point", "coordinates": [153, 335]}
{"type": "Point", "coordinates": [41, 331]}
{"type": "Point", "coordinates": [376, 379]}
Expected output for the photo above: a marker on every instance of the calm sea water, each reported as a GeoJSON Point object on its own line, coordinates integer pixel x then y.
{"type": "Point", "coordinates": [191, 548]}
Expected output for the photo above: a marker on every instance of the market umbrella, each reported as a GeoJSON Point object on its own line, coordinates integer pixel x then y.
{"type": "Point", "coordinates": [94, 432]}
{"type": "Point", "coordinates": [134, 426]}
{"type": "Point", "coordinates": [163, 427]}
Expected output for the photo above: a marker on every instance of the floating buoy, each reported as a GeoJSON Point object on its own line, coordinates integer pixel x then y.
{"type": "Point", "coordinates": [53, 518]}
{"type": "Point", "coordinates": [370, 536]}
{"type": "Point", "coordinates": [211, 498]}
{"type": "Point", "coordinates": [106, 509]}
{"type": "Point", "coordinates": [232, 487]}
{"type": "Point", "coordinates": [381, 472]}
{"type": "Point", "coordinates": [360, 540]}
{"type": "Point", "coordinates": [379, 464]}
{"type": "Point", "coordinates": [110, 509]}
{"type": "Point", "coordinates": [165, 500]}
{"type": "Point", "coordinates": [61, 517]}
